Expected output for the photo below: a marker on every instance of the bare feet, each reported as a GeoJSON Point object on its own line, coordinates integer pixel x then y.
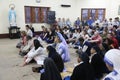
{"type": "Point", "coordinates": [23, 64]}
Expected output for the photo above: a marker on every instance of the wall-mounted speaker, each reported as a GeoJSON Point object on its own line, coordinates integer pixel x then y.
{"type": "Point", "coordinates": [64, 5]}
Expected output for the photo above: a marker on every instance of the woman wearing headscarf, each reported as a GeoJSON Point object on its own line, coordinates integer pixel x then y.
{"type": "Point", "coordinates": [52, 53]}
{"type": "Point", "coordinates": [112, 60]}
{"type": "Point", "coordinates": [36, 53]}
{"type": "Point", "coordinates": [50, 71]}
{"type": "Point", "coordinates": [62, 47]}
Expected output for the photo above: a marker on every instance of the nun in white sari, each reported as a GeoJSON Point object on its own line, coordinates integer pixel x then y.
{"type": "Point", "coordinates": [112, 60]}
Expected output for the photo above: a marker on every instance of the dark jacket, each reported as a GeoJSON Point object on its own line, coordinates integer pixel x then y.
{"type": "Point", "coordinates": [50, 71]}
{"type": "Point", "coordinates": [56, 58]}
{"type": "Point", "coordinates": [83, 71]}
{"type": "Point", "coordinates": [98, 65]}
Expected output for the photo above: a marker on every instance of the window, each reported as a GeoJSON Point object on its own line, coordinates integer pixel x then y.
{"type": "Point", "coordinates": [36, 14]}
{"type": "Point", "coordinates": [85, 14]}
{"type": "Point", "coordinates": [44, 14]}
{"type": "Point", "coordinates": [92, 12]}
{"type": "Point", "coordinates": [27, 14]}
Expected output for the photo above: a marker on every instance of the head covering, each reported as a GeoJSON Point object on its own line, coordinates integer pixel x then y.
{"type": "Point", "coordinates": [84, 57]}
{"type": "Point", "coordinates": [52, 51]}
{"type": "Point", "coordinates": [96, 48]}
{"type": "Point", "coordinates": [63, 45]}
{"type": "Point", "coordinates": [56, 58]}
{"type": "Point", "coordinates": [112, 58]}
{"type": "Point", "coordinates": [51, 71]}
{"type": "Point", "coordinates": [61, 38]}
{"type": "Point", "coordinates": [37, 44]}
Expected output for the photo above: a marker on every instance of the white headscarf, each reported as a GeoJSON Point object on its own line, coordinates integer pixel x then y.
{"type": "Point", "coordinates": [112, 58]}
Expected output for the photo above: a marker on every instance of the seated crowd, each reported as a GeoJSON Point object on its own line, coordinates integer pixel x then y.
{"type": "Point", "coordinates": [97, 44]}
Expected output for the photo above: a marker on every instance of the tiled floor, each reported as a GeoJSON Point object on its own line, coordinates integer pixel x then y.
{"type": "Point", "coordinates": [10, 62]}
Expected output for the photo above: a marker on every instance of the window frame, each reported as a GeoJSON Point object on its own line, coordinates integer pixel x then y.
{"type": "Point", "coordinates": [33, 18]}
{"type": "Point", "coordinates": [90, 12]}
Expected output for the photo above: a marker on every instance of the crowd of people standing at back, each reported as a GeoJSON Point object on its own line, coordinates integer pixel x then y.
{"type": "Point", "coordinates": [92, 39]}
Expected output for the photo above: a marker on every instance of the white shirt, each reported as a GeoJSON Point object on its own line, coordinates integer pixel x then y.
{"type": "Point", "coordinates": [76, 35]}
{"type": "Point", "coordinates": [112, 76]}
{"type": "Point", "coordinates": [110, 24]}
{"type": "Point", "coordinates": [67, 32]}
{"type": "Point", "coordinates": [97, 21]}
{"type": "Point", "coordinates": [28, 45]}
{"type": "Point", "coordinates": [116, 23]}
{"type": "Point", "coordinates": [30, 33]}
{"type": "Point", "coordinates": [38, 55]}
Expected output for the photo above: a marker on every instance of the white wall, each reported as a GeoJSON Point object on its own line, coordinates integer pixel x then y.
{"type": "Point", "coordinates": [19, 8]}
{"type": "Point", "coordinates": [73, 12]}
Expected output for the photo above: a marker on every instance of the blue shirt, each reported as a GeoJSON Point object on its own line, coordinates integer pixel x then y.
{"type": "Point", "coordinates": [90, 22]}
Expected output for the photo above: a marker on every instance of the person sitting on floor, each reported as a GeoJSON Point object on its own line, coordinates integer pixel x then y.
{"type": "Point", "coordinates": [36, 53]}
{"type": "Point", "coordinates": [50, 36]}
{"type": "Point", "coordinates": [52, 53]}
{"type": "Point", "coordinates": [46, 34]}
{"type": "Point", "coordinates": [97, 62]}
{"type": "Point", "coordinates": [85, 46]}
{"type": "Point", "coordinates": [32, 29]}
{"type": "Point", "coordinates": [62, 47]}
{"type": "Point", "coordinates": [23, 40]}
{"type": "Point", "coordinates": [50, 71]}
{"type": "Point", "coordinates": [83, 71]}
{"type": "Point", "coordinates": [96, 39]}
{"type": "Point", "coordinates": [112, 60]}
{"type": "Point", "coordinates": [24, 50]}
{"type": "Point", "coordinates": [74, 37]}
{"type": "Point", "coordinates": [29, 32]}
{"type": "Point", "coordinates": [115, 42]}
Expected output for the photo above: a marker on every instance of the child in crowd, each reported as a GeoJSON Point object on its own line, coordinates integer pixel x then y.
{"type": "Point", "coordinates": [29, 44]}
{"type": "Point", "coordinates": [23, 40]}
